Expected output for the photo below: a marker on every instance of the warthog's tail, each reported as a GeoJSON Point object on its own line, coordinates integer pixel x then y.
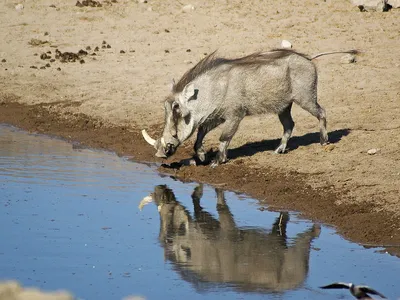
{"type": "Point", "coordinates": [335, 52]}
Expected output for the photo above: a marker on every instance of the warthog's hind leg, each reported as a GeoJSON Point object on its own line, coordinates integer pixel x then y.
{"type": "Point", "coordinates": [319, 112]}
{"type": "Point", "coordinates": [286, 119]}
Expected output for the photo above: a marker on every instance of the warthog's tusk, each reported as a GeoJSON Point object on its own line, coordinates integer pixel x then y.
{"type": "Point", "coordinates": [148, 138]}
{"type": "Point", "coordinates": [146, 200]}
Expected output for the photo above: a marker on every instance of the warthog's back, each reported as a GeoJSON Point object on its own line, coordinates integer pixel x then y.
{"type": "Point", "coordinates": [259, 83]}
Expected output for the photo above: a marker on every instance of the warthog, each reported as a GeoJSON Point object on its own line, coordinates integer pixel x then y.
{"type": "Point", "coordinates": [223, 91]}
{"type": "Point", "coordinates": [207, 251]}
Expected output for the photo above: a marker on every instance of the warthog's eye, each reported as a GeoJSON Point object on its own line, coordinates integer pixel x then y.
{"type": "Point", "coordinates": [176, 111]}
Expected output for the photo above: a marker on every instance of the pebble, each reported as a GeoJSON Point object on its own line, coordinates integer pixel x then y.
{"type": "Point", "coordinates": [286, 44]}
{"type": "Point", "coordinates": [188, 8]}
{"type": "Point", "coordinates": [348, 59]}
{"type": "Point", "coordinates": [373, 151]}
{"type": "Point", "coordinates": [19, 7]}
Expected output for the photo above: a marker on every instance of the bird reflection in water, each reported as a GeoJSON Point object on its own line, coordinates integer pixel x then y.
{"type": "Point", "coordinates": [209, 251]}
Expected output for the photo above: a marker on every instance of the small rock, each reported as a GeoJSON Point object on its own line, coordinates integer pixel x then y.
{"type": "Point", "coordinates": [373, 151]}
{"type": "Point", "coordinates": [3, 60]}
{"type": "Point", "coordinates": [394, 3]}
{"type": "Point", "coordinates": [108, 46]}
{"type": "Point", "coordinates": [166, 30]}
{"type": "Point", "coordinates": [19, 7]}
{"type": "Point", "coordinates": [37, 42]}
{"type": "Point", "coordinates": [52, 5]}
{"type": "Point", "coordinates": [48, 65]}
{"type": "Point", "coordinates": [286, 44]}
{"type": "Point", "coordinates": [166, 51]}
{"type": "Point", "coordinates": [329, 147]}
{"type": "Point", "coordinates": [122, 51]}
{"type": "Point", "coordinates": [142, 1]}
{"type": "Point", "coordinates": [88, 48]}
{"type": "Point", "coordinates": [371, 5]}
{"type": "Point", "coordinates": [96, 49]}
{"type": "Point", "coordinates": [104, 43]}
{"type": "Point", "coordinates": [44, 56]}
{"type": "Point", "coordinates": [188, 8]}
{"type": "Point", "coordinates": [33, 67]}
{"type": "Point", "coordinates": [348, 59]}
{"type": "Point", "coordinates": [188, 50]}
{"type": "Point", "coordinates": [82, 61]}
{"type": "Point", "coordinates": [43, 68]}
{"type": "Point", "coordinates": [52, 60]}
{"type": "Point", "coordinates": [82, 52]}
{"type": "Point", "coordinates": [46, 33]}
{"type": "Point", "coordinates": [58, 69]}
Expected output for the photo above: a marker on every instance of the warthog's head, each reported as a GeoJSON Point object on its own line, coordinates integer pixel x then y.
{"type": "Point", "coordinates": [179, 124]}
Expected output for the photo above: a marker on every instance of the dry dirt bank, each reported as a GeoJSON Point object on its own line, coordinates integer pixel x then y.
{"type": "Point", "coordinates": [105, 101]}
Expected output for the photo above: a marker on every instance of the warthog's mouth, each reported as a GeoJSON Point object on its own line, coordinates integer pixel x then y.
{"type": "Point", "coordinates": [164, 150]}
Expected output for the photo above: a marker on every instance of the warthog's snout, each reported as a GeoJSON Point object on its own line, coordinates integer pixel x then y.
{"type": "Point", "coordinates": [164, 150]}
{"type": "Point", "coordinates": [170, 149]}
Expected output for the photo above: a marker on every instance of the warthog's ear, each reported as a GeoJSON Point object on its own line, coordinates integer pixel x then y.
{"type": "Point", "coordinates": [189, 92]}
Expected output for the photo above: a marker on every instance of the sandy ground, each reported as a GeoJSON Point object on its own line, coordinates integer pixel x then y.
{"type": "Point", "coordinates": [105, 101]}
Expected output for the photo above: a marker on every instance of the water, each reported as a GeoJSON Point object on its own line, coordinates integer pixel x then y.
{"type": "Point", "coordinates": [70, 220]}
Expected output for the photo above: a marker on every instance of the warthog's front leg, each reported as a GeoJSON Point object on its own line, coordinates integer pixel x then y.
{"type": "Point", "coordinates": [199, 150]}
{"type": "Point", "coordinates": [198, 145]}
{"type": "Point", "coordinates": [229, 130]}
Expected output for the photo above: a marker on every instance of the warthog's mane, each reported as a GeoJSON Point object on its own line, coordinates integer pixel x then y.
{"type": "Point", "coordinates": [211, 61]}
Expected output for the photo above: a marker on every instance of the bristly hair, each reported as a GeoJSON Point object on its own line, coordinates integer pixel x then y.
{"type": "Point", "coordinates": [210, 62]}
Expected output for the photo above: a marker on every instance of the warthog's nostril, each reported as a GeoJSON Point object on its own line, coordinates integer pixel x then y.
{"type": "Point", "coordinates": [170, 149]}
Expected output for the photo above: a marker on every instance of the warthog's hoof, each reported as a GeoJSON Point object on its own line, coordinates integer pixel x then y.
{"type": "Point", "coordinates": [192, 162]}
{"type": "Point", "coordinates": [214, 164]}
{"type": "Point", "coordinates": [281, 149]}
{"type": "Point", "coordinates": [201, 156]}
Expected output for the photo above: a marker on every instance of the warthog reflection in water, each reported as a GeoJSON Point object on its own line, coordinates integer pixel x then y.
{"type": "Point", "coordinates": [208, 251]}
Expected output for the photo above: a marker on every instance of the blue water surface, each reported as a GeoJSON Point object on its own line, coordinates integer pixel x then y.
{"type": "Point", "coordinates": [69, 219]}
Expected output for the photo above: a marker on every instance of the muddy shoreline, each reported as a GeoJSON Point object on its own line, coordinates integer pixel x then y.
{"type": "Point", "coordinates": [280, 191]}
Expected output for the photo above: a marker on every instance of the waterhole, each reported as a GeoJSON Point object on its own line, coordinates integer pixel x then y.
{"type": "Point", "coordinates": [104, 227]}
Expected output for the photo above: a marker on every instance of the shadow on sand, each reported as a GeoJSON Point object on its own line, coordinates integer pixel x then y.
{"type": "Point", "coordinates": [295, 142]}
